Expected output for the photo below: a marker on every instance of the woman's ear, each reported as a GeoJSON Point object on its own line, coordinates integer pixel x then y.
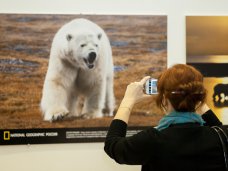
{"type": "Point", "coordinates": [170, 107]}
{"type": "Point", "coordinates": [164, 104]}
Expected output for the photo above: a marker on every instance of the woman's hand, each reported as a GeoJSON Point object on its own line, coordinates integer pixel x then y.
{"type": "Point", "coordinates": [135, 92]}
{"type": "Point", "coordinates": [202, 109]}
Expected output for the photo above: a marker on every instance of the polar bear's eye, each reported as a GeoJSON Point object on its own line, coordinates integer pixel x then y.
{"type": "Point", "coordinates": [96, 45]}
{"type": "Point", "coordinates": [83, 45]}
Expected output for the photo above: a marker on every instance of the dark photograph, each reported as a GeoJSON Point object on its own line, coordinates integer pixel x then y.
{"type": "Point", "coordinates": [207, 50]}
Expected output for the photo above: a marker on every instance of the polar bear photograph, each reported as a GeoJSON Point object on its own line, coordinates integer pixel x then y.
{"type": "Point", "coordinates": [80, 68]}
{"type": "Point", "coordinates": [62, 71]}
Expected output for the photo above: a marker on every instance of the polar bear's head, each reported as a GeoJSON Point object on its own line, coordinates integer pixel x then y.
{"type": "Point", "coordinates": [84, 49]}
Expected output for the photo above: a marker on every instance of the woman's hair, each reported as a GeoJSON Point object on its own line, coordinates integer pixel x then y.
{"type": "Point", "coordinates": [183, 86]}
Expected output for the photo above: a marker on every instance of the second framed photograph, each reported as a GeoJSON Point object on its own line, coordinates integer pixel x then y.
{"type": "Point", "coordinates": [207, 50]}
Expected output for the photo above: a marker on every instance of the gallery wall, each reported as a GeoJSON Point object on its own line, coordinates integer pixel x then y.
{"type": "Point", "coordinates": [90, 156]}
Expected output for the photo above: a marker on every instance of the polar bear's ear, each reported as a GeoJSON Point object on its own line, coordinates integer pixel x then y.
{"type": "Point", "coordinates": [99, 36]}
{"type": "Point", "coordinates": [69, 37]}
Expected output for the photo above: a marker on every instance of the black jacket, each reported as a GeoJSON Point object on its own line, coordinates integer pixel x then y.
{"type": "Point", "coordinates": [180, 147]}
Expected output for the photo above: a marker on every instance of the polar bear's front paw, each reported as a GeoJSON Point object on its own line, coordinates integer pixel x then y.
{"type": "Point", "coordinates": [86, 116]}
{"type": "Point", "coordinates": [56, 115]}
{"type": "Point", "coordinates": [107, 112]}
{"type": "Point", "coordinates": [91, 115]}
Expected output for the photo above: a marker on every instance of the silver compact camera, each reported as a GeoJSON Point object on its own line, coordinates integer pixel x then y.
{"type": "Point", "coordinates": [151, 86]}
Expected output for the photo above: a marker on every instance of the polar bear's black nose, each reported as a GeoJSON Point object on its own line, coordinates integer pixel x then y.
{"type": "Point", "coordinates": [92, 57]}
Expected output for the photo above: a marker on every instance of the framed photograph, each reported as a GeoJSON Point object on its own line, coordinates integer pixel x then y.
{"type": "Point", "coordinates": [207, 50]}
{"type": "Point", "coordinates": [64, 76]}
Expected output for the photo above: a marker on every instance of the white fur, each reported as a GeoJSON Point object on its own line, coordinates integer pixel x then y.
{"type": "Point", "coordinates": [69, 78]}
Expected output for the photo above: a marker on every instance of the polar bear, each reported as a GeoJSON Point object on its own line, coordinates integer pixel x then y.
{"type": "Point", "coordinates": [80, 67]}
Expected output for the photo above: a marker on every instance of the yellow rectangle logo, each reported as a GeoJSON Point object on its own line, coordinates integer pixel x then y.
{"type": "Point", "coordinates": [6, 135]}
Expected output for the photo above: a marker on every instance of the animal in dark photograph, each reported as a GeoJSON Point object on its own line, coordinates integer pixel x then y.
{"type": "Point", "coordinates": [220, 96]}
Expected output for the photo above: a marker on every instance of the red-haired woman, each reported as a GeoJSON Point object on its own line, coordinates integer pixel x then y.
{"type": "Point", "coordinates": [183, 139]}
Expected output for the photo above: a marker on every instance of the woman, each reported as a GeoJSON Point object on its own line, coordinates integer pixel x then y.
{"type": "Point", "coordinates": [181, 141]}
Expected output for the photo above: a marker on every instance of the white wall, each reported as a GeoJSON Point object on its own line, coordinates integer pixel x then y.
{"type": "Point", "coordinates": [90, 156]}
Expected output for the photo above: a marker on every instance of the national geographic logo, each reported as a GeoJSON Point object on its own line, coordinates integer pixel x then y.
{"type": "Point", "coordinates": [6, 135]}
